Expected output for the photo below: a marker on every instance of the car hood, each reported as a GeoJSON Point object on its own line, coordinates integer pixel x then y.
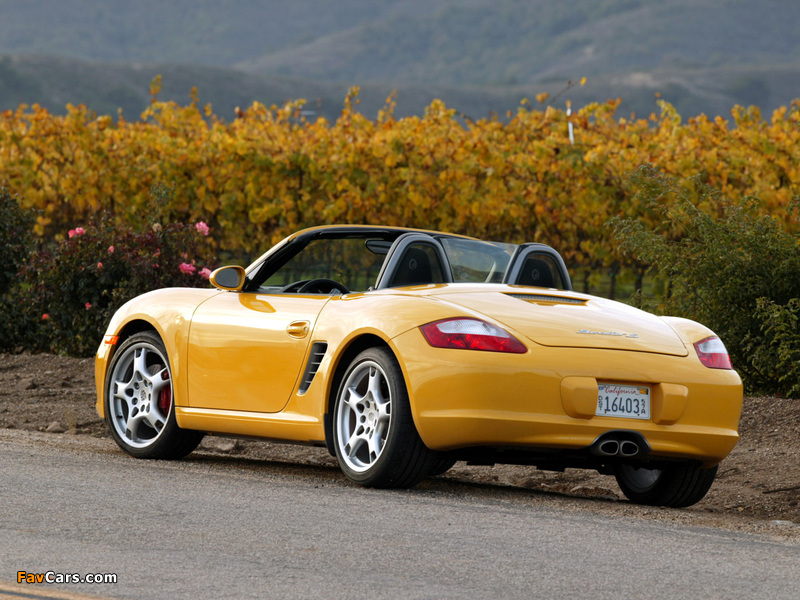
{"type": "Point", "coordinates": [567, 319]}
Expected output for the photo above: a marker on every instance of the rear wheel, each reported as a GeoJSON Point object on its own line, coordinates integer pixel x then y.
{"type": "Point", "coordinates": [442, 466]}
{"type": "Point", "coordinates": [676, 485]}
{"type": "Point", "coordinates": [139, 406]}
{"type": "Point", "coordinates": [375, 439]}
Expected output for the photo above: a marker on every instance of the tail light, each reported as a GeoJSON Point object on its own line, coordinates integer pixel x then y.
{"type": "Point", "coordinates": [471, 334]}
{"type": "Point", "coordinates": [712, 353]}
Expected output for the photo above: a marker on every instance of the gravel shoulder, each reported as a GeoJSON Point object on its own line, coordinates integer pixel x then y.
{"type": "Point", "coordinates": [757, 489]}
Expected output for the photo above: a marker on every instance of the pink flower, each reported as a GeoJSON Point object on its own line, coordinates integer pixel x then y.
{"type": "Point", "coordinates": [111, 249]}
{"type": "Point", "coordinates": [88, 305]}
{"type": "Point", "coordinates": [187, 268]}
{"type": "Point", "coordinates": [99, 265]}
{"type": "Point", "coordinates": [205, 273]}
{"type": "Point", "coordinates": [77, 231]}
{"type": "Point", "coordinates": [45, 316]}
{"type": "Point", "coordinates": [201, 227]}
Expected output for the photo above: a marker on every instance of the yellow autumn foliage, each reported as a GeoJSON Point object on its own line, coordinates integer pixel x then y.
{"type": "Point", "coordinates": [270, 172]}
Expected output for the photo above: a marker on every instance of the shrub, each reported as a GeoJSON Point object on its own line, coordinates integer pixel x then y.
{"type": "Point", "coordinates": [16, 238]}
{"type": "Point", "coordinates": [75, 286]}
{"type": "Point", "coordinates": [16, 243]}
{"type": "Point", "coordinates": [17, 328]}
{"type": "Point", "coordinates": [725, 265]}
{"type": "Point", "coordinates": [779, 324]}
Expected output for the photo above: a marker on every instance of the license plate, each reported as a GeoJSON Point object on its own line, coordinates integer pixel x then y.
{"type": "Point", "coordinates": [628, 401]}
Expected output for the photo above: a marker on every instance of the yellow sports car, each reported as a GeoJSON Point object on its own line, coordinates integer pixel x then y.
{"type": "Point", "coordinates": [403, 351]}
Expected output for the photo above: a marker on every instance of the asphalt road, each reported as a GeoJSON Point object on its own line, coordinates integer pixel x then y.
{"type": "Point", "coordinates": [209, 527]}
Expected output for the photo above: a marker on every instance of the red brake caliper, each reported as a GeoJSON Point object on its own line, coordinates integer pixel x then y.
{"type": "Point", "coordinates": [165, 397]}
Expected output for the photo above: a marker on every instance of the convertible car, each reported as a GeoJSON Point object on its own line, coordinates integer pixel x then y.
{"type": "Point", "coordinates": [403, 351]}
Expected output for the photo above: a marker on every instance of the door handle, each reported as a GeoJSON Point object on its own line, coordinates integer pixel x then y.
{"type": "Point", "coordinates": [298, 329]}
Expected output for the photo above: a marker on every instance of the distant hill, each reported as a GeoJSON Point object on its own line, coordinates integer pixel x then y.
{"type": "Point", "coordinates": [480, 56]}
{"type": "Point", "coordinates": [53, 82]}
{"type": "Point", "coordinates": [506, 42]}
{"type": "Point", "coordinates": [210, 32]}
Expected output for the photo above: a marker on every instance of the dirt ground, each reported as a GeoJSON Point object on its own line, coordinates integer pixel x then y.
{"type": "Point", "coordinates": [759, 483]}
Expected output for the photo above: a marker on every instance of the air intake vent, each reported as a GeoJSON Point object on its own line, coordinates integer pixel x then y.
{"type": "Point", "coordinates": [315, 358]}
{"type": "Point", "coordinates": [545, 298]}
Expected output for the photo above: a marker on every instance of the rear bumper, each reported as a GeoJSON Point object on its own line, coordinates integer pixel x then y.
{"type": "Point", "coordinates": [545, 399]}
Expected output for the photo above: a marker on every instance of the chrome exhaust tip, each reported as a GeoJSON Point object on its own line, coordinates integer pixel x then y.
{"type": "Point", "coordinates": [608, 448]}
{"type": "Point", "coordinates": [628, 449]}
{"type": "Point", "coordinates": [620, 443]}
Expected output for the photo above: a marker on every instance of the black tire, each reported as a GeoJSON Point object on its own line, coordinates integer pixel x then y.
{"type": "Point", "coordinates": [139, 407]}
{"type": "Point", "coordinates": [441, 466]}
{"type": "Point", "coordinates": [676, 485]}
{"type": "Point", "coordinates": [376, 442]}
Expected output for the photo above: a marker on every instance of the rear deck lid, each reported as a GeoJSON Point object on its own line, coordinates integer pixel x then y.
{"type": "Point", "coordinates": [568, 319]}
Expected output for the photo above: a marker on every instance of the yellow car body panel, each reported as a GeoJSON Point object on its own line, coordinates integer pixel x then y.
{"type": "Point", "coordinates": [253, 344]}
{"type": "Point", "coordinates": [381, 316]}
{"type": "Point", "coordinates": [555, 318]}
{"type": "Point", "coordinates": [167, 311]}
{"type": "Point", "coordinates": [461, 399]}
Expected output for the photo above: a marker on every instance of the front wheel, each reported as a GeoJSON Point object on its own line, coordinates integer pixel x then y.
{"type": "Point", "coordinates": [139, 406]}
{"type": "Point", "coordinates": [676, 485]}
{"type": "Point", "coordinates": [375, 439]}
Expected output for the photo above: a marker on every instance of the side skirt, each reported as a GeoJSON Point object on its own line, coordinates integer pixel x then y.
{"type": "Point", "coordinates": [290, 427]}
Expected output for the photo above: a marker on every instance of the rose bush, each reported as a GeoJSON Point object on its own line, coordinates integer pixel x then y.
{"type": "Point", "coordinates": [68, 290]}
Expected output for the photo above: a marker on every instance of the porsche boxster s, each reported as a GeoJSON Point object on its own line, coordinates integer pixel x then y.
{"type": "Point", "coordinates": [402, 351]}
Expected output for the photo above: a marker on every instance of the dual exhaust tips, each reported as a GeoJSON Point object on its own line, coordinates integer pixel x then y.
{"type": "Point", "coordinates": [620, 444]}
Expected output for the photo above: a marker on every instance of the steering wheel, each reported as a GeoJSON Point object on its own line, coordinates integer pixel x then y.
{"type": "Point", "coordinates": [322, 286]}
{"type": "Point", "coordinates": [293, 287]}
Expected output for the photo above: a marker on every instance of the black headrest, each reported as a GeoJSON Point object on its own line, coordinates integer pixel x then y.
{"type": "Point", "coordinates": [414, 268]}
{"type": "Point", "coordinates": [536, 272]}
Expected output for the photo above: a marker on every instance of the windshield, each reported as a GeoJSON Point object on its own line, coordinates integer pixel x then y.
{"type": "Point", "coordinates": [354, 262]}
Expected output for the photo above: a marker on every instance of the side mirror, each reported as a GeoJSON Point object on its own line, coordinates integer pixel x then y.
{"type": "Point", "coordinates": [229, 278]}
